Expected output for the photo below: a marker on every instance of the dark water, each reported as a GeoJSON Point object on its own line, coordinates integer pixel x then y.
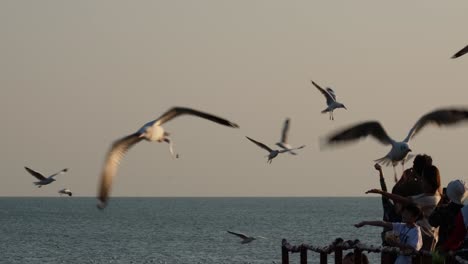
{"type": "Point", "coordinates": [176, 230]}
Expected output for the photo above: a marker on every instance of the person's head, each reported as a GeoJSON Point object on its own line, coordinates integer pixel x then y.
{"type": "Point", "coordinates": [430, 179]}
{"type": "Point", "coordinates": [410, 214]}
{"type": "Point", "coordinates": [456, 191]}
{"type": "Point", "coordinates": [349, 258]}
{"type": "Point", "coordinates": [420, 162]}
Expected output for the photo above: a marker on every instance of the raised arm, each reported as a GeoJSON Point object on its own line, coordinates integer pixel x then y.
{"type": "Point", "coordinates": [394, 197]}
{"type": "Point", "coordinates": [383, 185]}
{"type": "Point", "coordinates": [375, 223]}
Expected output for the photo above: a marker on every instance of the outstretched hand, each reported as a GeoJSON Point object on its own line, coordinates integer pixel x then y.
{"type": "Point", "coordinates": [378, 167]}
{"type": "Point", "coordinates": [358, 225]}
{"type": "Point", "coordinates": [378, 191]}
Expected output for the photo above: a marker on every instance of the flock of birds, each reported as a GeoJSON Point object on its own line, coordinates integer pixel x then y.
{"type": "Point", "coordinates": [154, 132]}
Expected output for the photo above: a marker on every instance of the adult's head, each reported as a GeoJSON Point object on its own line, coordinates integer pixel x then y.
{"type": "Point", "coordinates": [456, 191]}
{"type": "Point", "coordinates": [430, 179]}
{"type": "Point", "coordinates": [420, 162]}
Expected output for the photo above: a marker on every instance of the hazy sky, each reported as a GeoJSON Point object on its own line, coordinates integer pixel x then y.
{"type": "Point", "coordinates": [76, 75]}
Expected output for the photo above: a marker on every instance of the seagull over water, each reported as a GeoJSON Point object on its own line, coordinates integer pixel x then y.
{"type": "Point", "coordinates": [460, 53]}
{"type": "Point", "coordinates": [400, 149]}
{"type": "Point", "coordinates": [43, 180]}
{"type": "Point", "coordinates": [245, 239]}
{"type": "Point", "coordinates": [273, 153]}
{"type": "Point", "coordinates": [332, 104]}
{"type": "Point", "coordinates": [284, 138]}
{"type": "Point", "coordinates": [151, 131]}
{"type": "Point", "coordinates": [65, 191]}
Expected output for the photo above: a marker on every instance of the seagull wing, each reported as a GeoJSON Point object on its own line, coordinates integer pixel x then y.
{"type": "Point", "coordinates": [284, 135]}
{"type": "Point", "coordinates": [440, 117]}
{"type": "Point", "coordinates": [329, 97]}
{"type": "Point", "coordinates": [238, 234]}
{"type": "Point", "coordinates": [370, 128]}
{"type": "Point", "coordinates": [176, 111]}
{"type": "Point", "coordinates": [460, 53]}
{"type": "Point", "coordinates": [263, 146]}
{"type": "Point", "coordinates": [58, 173]}
{"type": "Point", "coordinates": [331, 92]}
{"type": "Point", "coordinates": [35, 174]}
{"type": "Point", "coordinates": [291, 149]}
{"type": "Point", "coordinates": [114, 156]}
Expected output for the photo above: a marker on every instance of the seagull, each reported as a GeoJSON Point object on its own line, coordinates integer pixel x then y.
{"type": "Point", "coordinates": [400, 149]}
{"type": "Point", "coordinates": [43, 180]}
{"type": "Point", "coordinates": [284, 138]}
{"type": "Point", "coordinates": [460, 53]}
{"type": "Point", "coordinates": [65, 191]}
{"type": "Point", "coordinates": [273, 153]}
{"type": "Point", "coordinates": [332, 104]}
{"type": "Point", "coordinates": [245, 239]}
{"type": "Point", "coordinates": [151, 131]}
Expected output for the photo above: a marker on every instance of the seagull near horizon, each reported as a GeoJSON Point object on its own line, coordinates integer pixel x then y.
{"type": "Point", "coordinates": [400, 149]}
{"type": "Point", "coordinates": [460, 53]}
{"type": "Point", "coordinates": [151, 131]}
{"type": "Point", "coordinates": [65, 191]}
{"type": "Point", "coordinates": [330, 96]}
{"type": "Point", "coordinates": [245, 239]}
{"type": "Point", "coordinates": [284, 138]}
{"type": "Point", "coordinates": [273, 153]}
{"type": "Point", "coordinates": [44, 180]}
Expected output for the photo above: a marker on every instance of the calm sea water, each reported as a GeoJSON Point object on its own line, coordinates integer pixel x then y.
{"type": "Point", "coordinates": [176, 230]}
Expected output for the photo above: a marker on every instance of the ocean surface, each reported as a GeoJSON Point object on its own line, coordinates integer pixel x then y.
{"type": "Point", "coordinates": [177, 230]}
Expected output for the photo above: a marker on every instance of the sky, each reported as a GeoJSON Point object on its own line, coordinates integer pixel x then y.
{"type": "Point", "coordinates": [77, 75]}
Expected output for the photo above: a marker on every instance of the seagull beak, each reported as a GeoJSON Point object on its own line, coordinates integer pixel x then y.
{"type": "Point", "coordinates": [345, 107]}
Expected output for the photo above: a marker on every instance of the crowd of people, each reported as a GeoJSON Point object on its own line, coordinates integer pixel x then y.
{"type": "Point", "coordinates": [420, 215]}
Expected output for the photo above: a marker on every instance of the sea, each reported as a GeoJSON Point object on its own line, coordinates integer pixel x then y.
{"type": "Point", "coordinates": [178, 230]}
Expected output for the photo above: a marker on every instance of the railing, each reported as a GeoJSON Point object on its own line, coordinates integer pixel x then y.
{"type": "Point", "coordinates": [339, 245]}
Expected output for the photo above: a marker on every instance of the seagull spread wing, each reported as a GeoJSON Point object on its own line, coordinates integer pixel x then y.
{"type": "Point", "coordinates": [331, 92]}
{"type": "Point", "coordinates": [440, 117]}
{"type": "Point", "coordinates": [238, 234]}
{"type": "Point", "coordinates": [284, 135]}
{"type": "Point", "coordinates": [291, 149]}
{"type": "Point", "coordinates": [372, 128]}
{"type": "Point", "coordinates": [58, 173]}
{"type": "Point", "coordinates": [35, 174]}
{"type": "Point", "coordinates": [176, 111]}
{"type": "Point", "coordinates": [114, 156]}
{"type": "Point", "coordinates": [263, 146]}
{"type": "Point", "coordinates": [328, 96]}
{"type": "Point", "coordinates": [460, 53]}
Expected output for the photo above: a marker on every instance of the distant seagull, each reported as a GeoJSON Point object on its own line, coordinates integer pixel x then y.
{"type": "Point", "coordinates": [245, 239]}
{"type": "Point", "coordinates": [332, 104]}
{"type": "Point", "coordinates": [399, 151]}
{"type": "Point", "coordinates": [43, 180]}
{"type": "Point", "coordinates": [284, 138]}
{"type": "Point", "coordinates": [460, 53]}
{"type": "Point", "coordinates": [273, 153]}
{"type": "Point", "coordinates": [65, 191]}
{"type": "Point", "coordinates": [151, 131]}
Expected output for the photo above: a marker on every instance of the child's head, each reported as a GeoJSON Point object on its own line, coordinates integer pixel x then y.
{"type": "Point", "coordinates": [410, 214]}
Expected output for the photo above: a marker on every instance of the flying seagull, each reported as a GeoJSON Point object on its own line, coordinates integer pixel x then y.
{"type": "Point", "coordinates": [461, 52]}
{"type": "Point", "coordinates": [245, 239]}
{"type": "Point", "coordinates": [151, 131]}
{"type": "Point", "coordinates": [43, 180]}
{"type": "Point", "coordinates": [332, 104]}
{"type": "Point", "coordinates": [273, 153]}
{"type": "Point", "coordinates": [284, 138]}
{"type": "Point", "coordinates": [65, 191]}
{"type": "Point", "coordinates": [400, 149]}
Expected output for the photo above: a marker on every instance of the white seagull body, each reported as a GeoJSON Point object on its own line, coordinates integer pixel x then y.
{"type": "Point", "coordinates": [400, 149]}
{"type": "Point", "coordinates": [151, 131]}
{"type": "Point", "coordinates": [272, 152]}
{"type": "Point", "coordinates": [245, 239]}
{"type": "Point", "coordinates": [330, 97]}
{"type": "Point", "coordinates": [44, 180]}
{"type": "Point", "coordinates": [284, 138]}
{"type": "Point", "coordinates": [461, 52]}
{"type": "Point", "coordinates": [65, 191]}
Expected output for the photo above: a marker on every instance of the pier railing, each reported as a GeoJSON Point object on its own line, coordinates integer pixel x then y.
{"type": "Point", "coordinates": [339, 245]}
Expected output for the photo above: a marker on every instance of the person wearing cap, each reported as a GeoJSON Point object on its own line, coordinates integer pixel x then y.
{"type": "Point", "coordinates": [445, 213]}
